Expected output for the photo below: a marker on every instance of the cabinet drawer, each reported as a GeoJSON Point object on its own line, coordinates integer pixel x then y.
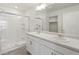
{"type": "Point", "coordinates": [55, 53]}
{"type": "Point", "coordinates": [64, 51]}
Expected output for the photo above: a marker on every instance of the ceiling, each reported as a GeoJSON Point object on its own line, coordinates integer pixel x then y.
{"type": "Point", "coordinates": [21, 7]}
{"type": "Point", "coordinates": [25, 7]}
{"type": "Point", "coordinates": [56, 6]}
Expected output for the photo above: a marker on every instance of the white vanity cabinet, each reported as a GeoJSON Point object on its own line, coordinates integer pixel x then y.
{"type": "Point", "coordinates": [40, 46]}
{"type": "Point", "coordinates": [32, 46]}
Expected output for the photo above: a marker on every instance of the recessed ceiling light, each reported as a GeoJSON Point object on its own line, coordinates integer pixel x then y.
{"type": "Point", "coordinates": [18, 16]}
{"type": "Point", "coordinates": [42, 6]}
{"type": "Point", "coordinates": [38, 8]}
{"type": "Point", "coordinates": [15, 7]}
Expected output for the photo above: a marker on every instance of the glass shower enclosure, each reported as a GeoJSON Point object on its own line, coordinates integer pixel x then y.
{"type": "Point", "coordinates": [12, 31]}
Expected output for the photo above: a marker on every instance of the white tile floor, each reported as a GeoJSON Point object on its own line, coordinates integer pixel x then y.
{"type": "Point", "coordinates": [19, 51]}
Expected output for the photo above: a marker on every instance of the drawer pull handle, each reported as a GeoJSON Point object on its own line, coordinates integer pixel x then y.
{"type": "Point", "coordinates": [30, 42]}
{"type": "Point", "coordinates": [51, 53]}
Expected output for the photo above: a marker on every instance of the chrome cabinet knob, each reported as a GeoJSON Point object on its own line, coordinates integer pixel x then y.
{"type": "Point", "coordinates": [30, 42]}
{"type": "Point", "coordinates": [51, 53]}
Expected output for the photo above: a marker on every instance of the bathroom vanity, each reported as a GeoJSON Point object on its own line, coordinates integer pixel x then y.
{"type": "Point", "coordinates": [51, 44]}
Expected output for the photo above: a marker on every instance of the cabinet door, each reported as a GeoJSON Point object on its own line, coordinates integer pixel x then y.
{"type": "Point", "coordinates": [32, 46]}
{"type": "Point", "coordinates": [45, 50]}
{"type": "Point", "coordinates": [35, 47]}
{"type": "Point", "coordinates": [28, 45]}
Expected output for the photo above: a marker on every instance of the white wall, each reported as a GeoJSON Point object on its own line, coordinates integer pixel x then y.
{"type": "Point", "coordinates": [63, 16]}
{"type": "Point", "coordinates": [71, 23]}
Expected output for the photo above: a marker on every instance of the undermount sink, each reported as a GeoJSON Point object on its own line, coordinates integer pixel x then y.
{"type": "Point", "coordinates": [63, 39]}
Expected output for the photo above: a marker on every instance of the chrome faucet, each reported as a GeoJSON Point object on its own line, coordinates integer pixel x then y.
{"type": "Point", "coordinates": [37, 28]}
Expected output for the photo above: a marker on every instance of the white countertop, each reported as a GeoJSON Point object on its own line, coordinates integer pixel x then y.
{"type": "Point", "coordinates": [64, 41]}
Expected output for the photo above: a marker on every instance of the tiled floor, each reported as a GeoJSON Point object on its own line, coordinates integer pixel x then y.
{"type": "Point", "coordinates": [19, 51]}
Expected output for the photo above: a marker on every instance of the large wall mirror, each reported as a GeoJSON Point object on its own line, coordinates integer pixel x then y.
{"type": "Point", "coordinates": [37, 24]}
